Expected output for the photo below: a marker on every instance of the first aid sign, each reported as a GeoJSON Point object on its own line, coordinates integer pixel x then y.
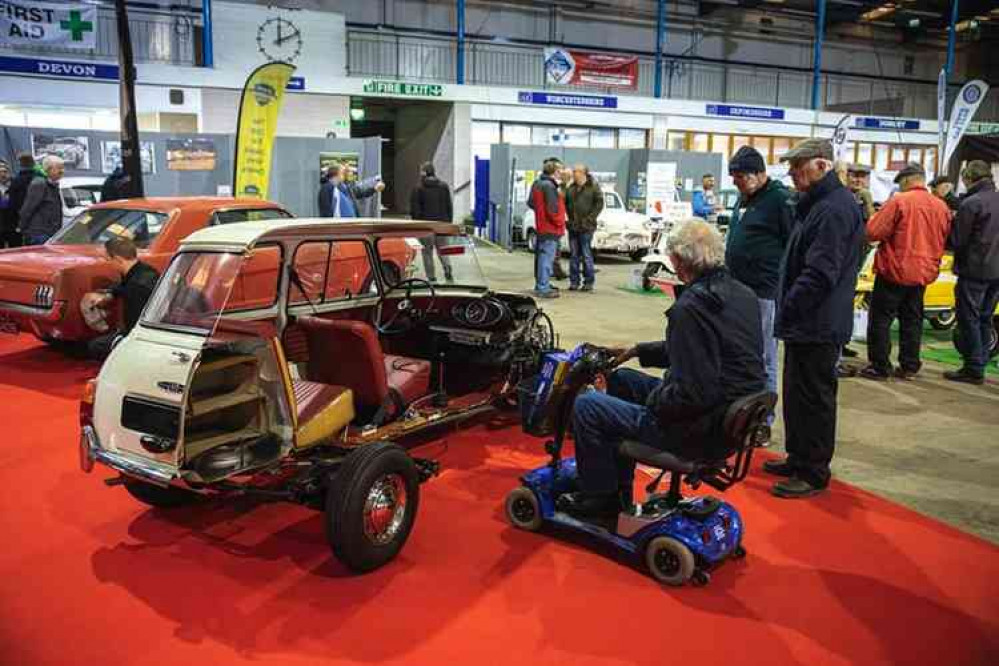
{"type": "Point", "coordinates": [27, 23]}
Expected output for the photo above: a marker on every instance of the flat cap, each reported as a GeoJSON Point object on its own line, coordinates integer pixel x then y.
{"type": "Point", "coordinates": [910, 169]}
{"type": "Point", "coordinates": [809, 149]}
{"type": "Point", "coordinates": [858, 168]}
{"type": "Point", "coordinates": [976, 170]}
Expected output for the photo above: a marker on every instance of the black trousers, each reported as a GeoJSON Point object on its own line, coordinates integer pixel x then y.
{"type": "Point", "coordinates": [890, 301]}
{"type": "Point", "coordinates": [809, 395]}
{"type": "Point", "coordinates": [976, 303]}
{"type": "Point", "coordinates": [10, 237]}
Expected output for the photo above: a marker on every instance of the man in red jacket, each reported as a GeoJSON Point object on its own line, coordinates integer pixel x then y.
{"type": "Point", "coordinates": [547, 200]}
{"type": "Point", "coordinates": [912, 230]}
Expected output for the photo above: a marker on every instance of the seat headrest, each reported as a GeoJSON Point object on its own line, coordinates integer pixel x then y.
{"type": "Point", "coordinates": [745, 413]}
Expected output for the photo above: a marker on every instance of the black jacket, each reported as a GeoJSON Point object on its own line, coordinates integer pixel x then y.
{"type": "Point", "coordinates": [713, 353]}
{"type": "Point", "coordinates": [431, 201]}
{"type": "Point", "coordinates": [18, 192]}
{"type": "Point", "coordinates": [757, 237]}
{"type": "Point", "coordinates": [134, 291]}
{"type": "Point", "coordinates": [819, 271]}
{"type": "Point", "coordinates": [583, 205]}
{"type": "Point", "coordinates": [116, 186]}
{"type": "Point", "coordinates": [41, 213]}
{"type": "Point", "coordinates": [974, 236]}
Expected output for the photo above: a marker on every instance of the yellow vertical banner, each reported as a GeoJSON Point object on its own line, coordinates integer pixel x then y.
{"type": "Point", "coordinates": [258, 115]}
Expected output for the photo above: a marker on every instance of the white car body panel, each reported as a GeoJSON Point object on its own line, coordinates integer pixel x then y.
{"type": "Point", "coordinates": [71, 207]}
{"type": "Point", "coordinates": [618, 229]}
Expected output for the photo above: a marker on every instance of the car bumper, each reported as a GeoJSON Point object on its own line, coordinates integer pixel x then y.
{"type": "Point", "coordinates": [41, 321]}
{"type": "Point", "coordinates": [91, 453]}
{"type": "Point", "coordinates": [617, 242]}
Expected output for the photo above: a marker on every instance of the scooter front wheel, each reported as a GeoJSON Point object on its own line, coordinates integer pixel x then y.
{"type": "Point", "coordinates": [523, 510]}
{"type": "Point", "coordinates": [669, 561]}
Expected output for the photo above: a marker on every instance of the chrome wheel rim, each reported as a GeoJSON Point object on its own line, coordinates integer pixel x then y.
{"type": "Point", "coordinates": [522, 510]}
{"type": "Point", "coordinates": [385, 509]}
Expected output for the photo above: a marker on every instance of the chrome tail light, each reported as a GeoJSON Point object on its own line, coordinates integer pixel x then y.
{"type": "Point", "coordinates": [44, 295]}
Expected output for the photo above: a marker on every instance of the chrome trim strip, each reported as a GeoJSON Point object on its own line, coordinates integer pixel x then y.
{"type": "Point", "coordinates": [141, 469]}
{"type": "Point", "coordinates": [46, 314]}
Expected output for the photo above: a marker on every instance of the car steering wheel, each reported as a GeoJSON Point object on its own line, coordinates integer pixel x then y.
{"type": "Point", "coordinates": [404, 315]}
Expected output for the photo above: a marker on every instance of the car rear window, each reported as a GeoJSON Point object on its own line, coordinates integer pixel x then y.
{"type": "Point", "coordinates": [249, 215]}
{"type": "Point", "coordinates": [95, 226]}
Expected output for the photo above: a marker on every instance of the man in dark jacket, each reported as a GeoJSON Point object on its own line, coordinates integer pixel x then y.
{"type": "Point", "coordinates": [584, 201]}
{"type": "Point", "coordinates": [757, 235]}
{"type": "Point", "coordinates": [547, 200]}
{"type": "Point", "coordinates": [139, 280]}
{"type": "Point", "coordinates": [116, 185]}
{"type": "Point", "coordinates": [16, 195]}
{"type": "Point", "coordinates": [814, 315]}
{"type": "Point", "coordinates": [360, 190]}
{"type": "Point", "coordinates": [974, 238]}
{"type": "Point", "coordinates": [713, 356]}
{"type": "Point", "coordinates": [41, 213]}
{"type": "Point", "coordinates": [943, 189]}
{"type": "Point", "coordinates": [431, 201]}
{"type": "Point", "coordinates": [8, 221]}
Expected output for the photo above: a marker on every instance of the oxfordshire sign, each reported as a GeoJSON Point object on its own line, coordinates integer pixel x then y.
{"type": "Point", "coordinates": [403, 89]}
{"type": "Point", "coordinates": [757, 112]}
{"type": "Point", "coordinates": [24, 23]}
{"type": "Point", "coordinates": [64, 68]}
{"type": "Point", "coordinates": [567, 99]}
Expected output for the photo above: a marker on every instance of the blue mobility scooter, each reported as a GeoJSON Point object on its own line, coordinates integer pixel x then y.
{"type": "Point", "coordinates": [680, 539]}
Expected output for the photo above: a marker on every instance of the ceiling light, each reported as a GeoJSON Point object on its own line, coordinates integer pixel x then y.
{"type": "Point", "coordinates": [879, 12]}
{"type": "Point", "coordinates": [970, 24]}
{"type": "Point", "coordinates": [357, 114]}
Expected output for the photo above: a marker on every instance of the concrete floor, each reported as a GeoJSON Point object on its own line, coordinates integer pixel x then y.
{"type": "Point", "coordinates": [929, 444]}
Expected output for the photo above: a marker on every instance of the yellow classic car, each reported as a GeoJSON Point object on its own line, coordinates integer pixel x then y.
{"type": "Point", "coordinates": [938, 301]}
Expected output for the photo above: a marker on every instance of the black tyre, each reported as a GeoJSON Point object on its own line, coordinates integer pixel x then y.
{"type": "Point", "coordinates": [523, 510]}
{"type": "Point", "coordinates": [991, 345]}
{"type": "Point", "coordinates": [943, 321]}
{"type": "Point", "coordinates": [532, 240]}
{"type": "Point", "coordinates": [159, 497]}
{"type": "Point", "coordinates": [650, 271]}
{"type": "Point", "coordinates": [669, 561]}
{"type": "Point", "coordinates": [636, 255]}
{"type": "Point", "coordinates": [371, 506]}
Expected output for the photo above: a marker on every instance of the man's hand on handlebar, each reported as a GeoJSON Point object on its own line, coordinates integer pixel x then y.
{"type": "Point", "coordinates": [622, 355]}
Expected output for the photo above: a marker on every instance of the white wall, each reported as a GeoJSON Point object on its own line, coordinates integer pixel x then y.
{"type": "Point", "coordinates": [301, 115]}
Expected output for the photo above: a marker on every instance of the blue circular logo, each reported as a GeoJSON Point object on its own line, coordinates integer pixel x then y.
{"type": "Point", "coordinates": [972, 94]}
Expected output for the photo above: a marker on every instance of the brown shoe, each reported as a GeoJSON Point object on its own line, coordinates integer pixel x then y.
{"type": "Point", "coordinates": [870, 372]}
{"type": "Point", "coordinates": [795, 488]}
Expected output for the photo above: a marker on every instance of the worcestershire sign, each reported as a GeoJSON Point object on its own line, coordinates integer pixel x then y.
{"type": "Point", "coordinates": [403, 89]}
{"type": "Point", "coordinates": [567, 99]}
{"type": "Point", "coordinates": [25, 23]}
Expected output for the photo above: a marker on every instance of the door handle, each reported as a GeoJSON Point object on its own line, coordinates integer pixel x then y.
{"type": "Point", "coordinates": [181, 356]}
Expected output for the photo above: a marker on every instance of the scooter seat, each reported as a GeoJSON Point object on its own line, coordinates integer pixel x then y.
{"type": "Point", "coordinates": [653, 457]}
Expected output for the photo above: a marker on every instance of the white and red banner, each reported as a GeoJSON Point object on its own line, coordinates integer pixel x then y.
{"type": "Point", "coordinates": [567, 67]}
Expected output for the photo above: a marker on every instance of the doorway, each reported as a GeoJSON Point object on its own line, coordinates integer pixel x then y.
{"type": "Point", "coordinates": [412, 133]}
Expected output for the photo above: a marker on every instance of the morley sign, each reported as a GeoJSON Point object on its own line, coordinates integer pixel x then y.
{"type": "Point", "coordinates": [25, 23]}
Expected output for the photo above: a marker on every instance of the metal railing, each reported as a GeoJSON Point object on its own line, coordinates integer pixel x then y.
{"type": "Point", "coordinates": [158, 37]}
{"type": "Point", "coordinates": [433, 58]}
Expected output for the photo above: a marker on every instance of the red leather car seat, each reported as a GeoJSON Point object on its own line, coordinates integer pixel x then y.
{"type": "Point", "coordinates": [348, 353]}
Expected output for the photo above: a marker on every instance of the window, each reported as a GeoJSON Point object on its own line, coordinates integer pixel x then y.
{"type": "Point", "coordinates": [602, 138]}
{"type": "Point", "coordinates": [699, 143]}
{"type": "Point", "coordinates": [445, 261]}
{"type": "Point", "coordinates": [575, 137]}
{"type": "Point", "coordinates": [485, 132]}
{"type": "Point", "coordinates": [676, 141]}
{"type": "Point", "coordinates": [248, 215]}
{"type": "Point", "coordinates": [96, 226]}
{"type": "Point", "coordinates": [897, 158]}
{"type": "Point", "coordinates": [720, 143]}
{"type": "Point", "coordinates": [738, 142]}
{"type": "Point", "coordinates": [931, 160]}
{"type": "Point", "coordinates": [545, 135]}
{"type": "Point", "coordinates": [881, 153]}
{"type": "Point", "coordinates": [74, 197]}
{"type": "Point", "coordinates": [634, 138]}
{"type": "Point", "coordinates": [781, 146]}
{"type": "Point", "coordinates": [331, 271]}
{"type": "Point", "coordinates": [518, 135]}
{"type": "Point", "coordinates": [310, 265]}
{"type": "Point", "coordinates": [865, 154]}
{"type": "Point", "coordinates": [612, 201]}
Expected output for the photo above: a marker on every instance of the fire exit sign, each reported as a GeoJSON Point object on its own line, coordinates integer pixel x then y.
{"type": "Point", "coordinates": [404, 89]}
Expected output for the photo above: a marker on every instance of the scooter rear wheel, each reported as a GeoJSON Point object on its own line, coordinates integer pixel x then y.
{"type": "Point", "coordinates": [669, 561]}
{"type": "Point", "coordinates": [523, 510]}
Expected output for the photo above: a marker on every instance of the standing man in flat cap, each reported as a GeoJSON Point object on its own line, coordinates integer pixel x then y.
{"type": "Point", "coordinates": [754, 245]}
{"type": "Point", "coordinates": [859, 177]}
{"type": "Point", "coordinates": [911, 230]}
{"type": "Point", "coordinates": [975, 241]}
{"type": "Point", "coordinates": [814, 315]}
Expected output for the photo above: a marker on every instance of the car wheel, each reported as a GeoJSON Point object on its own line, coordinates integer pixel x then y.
{"type": "Point", "coordinates": [532, 240]}
{"type": "Point", "coordinates": [371, 506]}
{"type": "Point", "coordinates": [991, 345]}
{"type": "Point", "coordinates": [669, 561]}
{"type": "Point", "coordinates": [650, 271]}
{"type": "Point", "coordinates": [943, 321]}
{"type": "Point", "coordinates": [523, 510]}
{"type": "Point", "coordinates": [157, 496]}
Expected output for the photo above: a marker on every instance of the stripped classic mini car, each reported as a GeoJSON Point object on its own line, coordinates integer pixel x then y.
{"type": "Point", "coordinates": [285, 359]}
{"type": "Point", "coordinates": [42, 287]}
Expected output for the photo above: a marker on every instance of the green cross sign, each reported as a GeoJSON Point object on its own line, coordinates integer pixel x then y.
{"type": "Point", "coordinates": [76, 26]}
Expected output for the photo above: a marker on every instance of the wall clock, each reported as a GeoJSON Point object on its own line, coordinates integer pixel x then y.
{"type": "Point", "coordinates": [279, 40]}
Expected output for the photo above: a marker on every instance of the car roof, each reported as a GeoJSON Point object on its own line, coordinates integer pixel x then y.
{"type": "Point", "coordinates": [189, 204]}
{"type": "Point", "coordinates": [79, 181]}
{"type": "Point", "coordinates": [241, 236]}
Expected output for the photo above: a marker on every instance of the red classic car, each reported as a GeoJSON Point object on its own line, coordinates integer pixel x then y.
{"type": "Point", "coordinates": [41, 287]}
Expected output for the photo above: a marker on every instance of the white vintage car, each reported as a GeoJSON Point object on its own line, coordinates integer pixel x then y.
{"type": "Point", "coordinates": [618, 229]}
{"type": "Point", "coordinates": [284, 359]}
{"type": "Point", "coordinates": [78, 194]}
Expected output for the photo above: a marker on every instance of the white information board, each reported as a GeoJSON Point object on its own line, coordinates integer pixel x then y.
{"type": "Point", "coordinates": [660, 183]}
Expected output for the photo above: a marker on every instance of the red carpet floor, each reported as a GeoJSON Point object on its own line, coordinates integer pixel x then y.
{"type": "Point", "coordinates": [88, 576]}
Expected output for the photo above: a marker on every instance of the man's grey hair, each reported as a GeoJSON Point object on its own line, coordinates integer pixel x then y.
{"type": "Point", "coordinates": [698, 245]}
{"type": "Point", "coordinates": [49, 162]}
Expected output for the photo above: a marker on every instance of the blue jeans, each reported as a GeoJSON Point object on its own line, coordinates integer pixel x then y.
{"type": "Point", "coordinates": [602, 420]}
{"type": "Point", "coordinates": [976, 303]}
{"type": "Point", "coordinates": [767, 310]}
{"type": "Point", "coordinates": [35, 239]}
{"type": "Point", "coordinates": [545, 256]}
{"type": "Point", "coordinates": [581, 252]}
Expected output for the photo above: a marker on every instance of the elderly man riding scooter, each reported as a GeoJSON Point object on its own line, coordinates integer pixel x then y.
{"type": "Point", "coordinates": [713, 355]}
